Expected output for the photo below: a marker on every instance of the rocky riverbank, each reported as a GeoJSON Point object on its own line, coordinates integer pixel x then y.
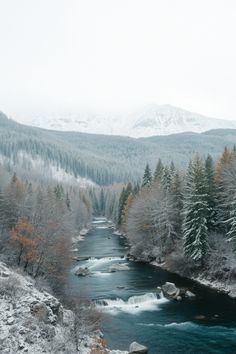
{"type": "Point", "coordinates": [33, 321]}
{"type": "Point", "coordinates": [224, 281]}
{"type": "Point", "coordinates": [204, 278]}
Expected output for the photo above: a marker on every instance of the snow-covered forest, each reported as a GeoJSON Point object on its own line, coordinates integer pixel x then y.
{"type": "Point", "coordinates": [185, 221]}
{"type": "Point", "coordinates": [98, 159]}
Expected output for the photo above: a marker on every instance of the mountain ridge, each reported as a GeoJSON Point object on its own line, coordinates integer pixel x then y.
{"type": "Point", "coordinates": [151, 120]}
{"type": "Point", "coordinates": [101, 159]}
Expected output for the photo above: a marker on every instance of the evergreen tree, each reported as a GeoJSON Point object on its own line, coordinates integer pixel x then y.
{"type": "Point", "coordinates": [172, 168]}
{"type": "Point", "coordinates": [222, 209]}
{"type": "Point", "coordinates": [196, 212]}
{"type": "Point", "coordinates": [231, 222]}
{"type": "Point", "coordinates": [228, 201]}
{"type": "Point", "coordinates": [121, 206]}
{"type": "Point", "coordinates": [68, 201]}
{"type": "Point", "coordinates": [3, 211]}
{"type": "Point", "coordinates": [126, 192]}
{"type": "Point", "coordinates": [158, 171]}
{"type": "Point", "coordinates": [59, 191]}
{"type": "Point", "coordinates": [211, 191]}
{"type": "Point", "coordinates": [166, 179]}
{"type": "Point", "coordinates": [147, 177]}
{"type": "Point", "coordinates": [223, 164]}
{"type": "Point", "coordinates": [136, 189]}
{"type": "Point", "coordinates": [177, 207]}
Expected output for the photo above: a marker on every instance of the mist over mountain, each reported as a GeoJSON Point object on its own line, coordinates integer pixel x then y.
{"type": "Point", "coordinates": [101, 159]}
{"type": "Point", "coordinates": [151, 120]}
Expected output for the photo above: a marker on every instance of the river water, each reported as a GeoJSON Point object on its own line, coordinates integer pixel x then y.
{"type": "Point", "coordinates": [132, 310]}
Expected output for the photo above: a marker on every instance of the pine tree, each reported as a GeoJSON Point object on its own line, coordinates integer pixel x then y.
{"type": "Point", "coordinates": [59, 191]}
{"type": "Point", "coordinates": [147, 177]}
{"type": "Point", "coordinates": [126, 192]}
{"type": "Point", "coordinates": [234, 149]}
{"type": "Point", "coordinates": [172, 168]}
{"type": "Point", "coordinates": [211, 191]}
{"type": "Point", "coordinates": [196, 212]}
{"type": "Point", "coordinates": [228, 201]}
{"type": "Point", "coordinates": [3, 211]}
{"type": "Point", "coordinates": [223, 166]}
{"type": "Point", "coordinates": [68, 201]}
{"type": "Point", "coordinates": [136, 189]}
{"type": "Point", "coordinates": [177, 200]}
{"type": "Point", "coordinates": [231, 222]}
{"type": "Point", "coordinates": [166, 179]}
{"type": "Point", "coordinates": [158, 171]}
{"type": "Point", "coordinates": [121, 206]}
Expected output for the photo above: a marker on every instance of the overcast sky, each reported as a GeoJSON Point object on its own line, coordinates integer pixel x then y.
{"type": "Point", "coordinates": [115, 55]}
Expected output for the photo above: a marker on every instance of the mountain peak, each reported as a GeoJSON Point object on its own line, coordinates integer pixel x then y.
{"type": "Point", "coordinates": [151, 120]}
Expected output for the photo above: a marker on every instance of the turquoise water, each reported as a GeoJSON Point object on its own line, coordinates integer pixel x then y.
{"type": "Point", "coordinates": [132, 310]}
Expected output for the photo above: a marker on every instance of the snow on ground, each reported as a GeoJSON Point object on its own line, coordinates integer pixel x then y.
{"type": "Point", "coordinates": [33, 321]}
{"type": "Point", "coordinates": [48, 170]}
{"type": "Point", "coordinates": [229, 289]}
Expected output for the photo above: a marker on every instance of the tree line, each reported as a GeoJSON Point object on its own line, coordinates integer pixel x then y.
{"type": "Point", "coordinates": [185, 218]}
{"type": "Point", "coordinates": [38, 223]}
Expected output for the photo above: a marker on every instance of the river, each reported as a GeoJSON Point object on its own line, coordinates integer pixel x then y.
{"type": "Point", "coordinates": [132, 310]}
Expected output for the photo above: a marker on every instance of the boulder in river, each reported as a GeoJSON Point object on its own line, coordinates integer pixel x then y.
{"type": "Point", "coordinates": [189, 294]}
{"type": "Point", "coordinates": [136, 348]}
{"type": "Point", "coordinates": [82, 272]}
{"type": "Point", "coordinates": [170, 291]}
{"type": "Point", "coordinates": [118, 267]}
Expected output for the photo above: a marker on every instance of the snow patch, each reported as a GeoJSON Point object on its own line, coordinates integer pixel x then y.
{"type": "Point", "coordinates": [47, 170]}
{"type": "Point", "coordinates": [151, 120]}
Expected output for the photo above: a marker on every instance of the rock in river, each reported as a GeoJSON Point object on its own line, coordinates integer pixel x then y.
{"type": "Point", "coordinates": [170, 291]}
{"type": "Point", "coordinates": [189, 294]}
{"type": "Point", "coordinates": [136, 348]}
{"type": "Point", "coordinates": [82, 272]}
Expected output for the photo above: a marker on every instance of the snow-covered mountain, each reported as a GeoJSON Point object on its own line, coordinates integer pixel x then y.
{"type": "Point", "coordinates": [149, 121]}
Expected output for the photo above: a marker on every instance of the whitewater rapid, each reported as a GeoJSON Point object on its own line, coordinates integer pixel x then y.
{"type": "Point", "coordinates": [134, 304]}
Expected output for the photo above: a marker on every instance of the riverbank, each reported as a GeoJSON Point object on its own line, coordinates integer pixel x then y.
{"type": "Point", "coordinates": [206, 277]}
{"type": "Point", "coordinates": [202, 277]}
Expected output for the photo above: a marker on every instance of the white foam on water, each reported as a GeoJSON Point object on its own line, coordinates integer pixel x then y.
{"type": "Point", "coordinates": [99, 221]}
{"type": "Point", "coordinates": [134, 305]}
{"type": "Point", "coordinates": [100, 274]}
{"type": "Point", "coordinates": [187, 324]}
{"type": "Point", "coordinates": [183, 325]}
{"type": "Point", "coordinates": [102, 227]}
{"type": "Point", "coordinates": [192, 327]}
{"type": "Point", "coordinates": [97, 262]}
{"type": "Point", "coordinates": [93, 263]}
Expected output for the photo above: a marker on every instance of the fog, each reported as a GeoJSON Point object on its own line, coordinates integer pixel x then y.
{"type": "Point", "coordinates": [63, 56]}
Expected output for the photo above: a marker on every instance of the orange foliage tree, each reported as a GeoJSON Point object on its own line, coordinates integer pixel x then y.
{"type": "Point", "coordinates": [23, 236]}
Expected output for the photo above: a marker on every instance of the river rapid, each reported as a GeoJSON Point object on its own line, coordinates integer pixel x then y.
{"type": "Point", "coordinates": [134, 312]}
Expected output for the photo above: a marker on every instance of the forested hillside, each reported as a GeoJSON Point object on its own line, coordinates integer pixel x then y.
{"type": "Point", "coordinates": [101, 159]}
